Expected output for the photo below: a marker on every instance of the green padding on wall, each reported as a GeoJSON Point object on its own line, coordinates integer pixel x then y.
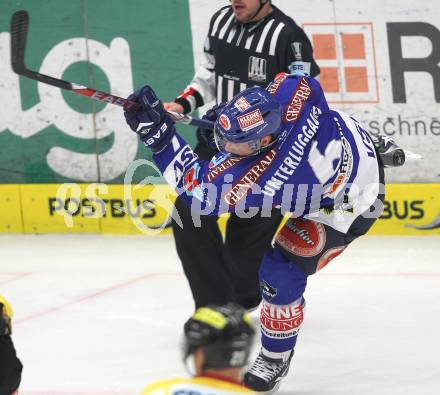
{"type": "Point", "coordinates": [49, 136]}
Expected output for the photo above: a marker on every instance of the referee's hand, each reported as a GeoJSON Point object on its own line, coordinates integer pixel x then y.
{"type": "Point", "coordinates": [172, 106]}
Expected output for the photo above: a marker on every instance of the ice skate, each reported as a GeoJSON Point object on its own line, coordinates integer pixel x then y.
{"type": "Point", "coordinates": [266, 373]}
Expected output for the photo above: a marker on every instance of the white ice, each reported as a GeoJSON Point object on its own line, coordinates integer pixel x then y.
{"type": "Point", "coordinates": [103, 315]}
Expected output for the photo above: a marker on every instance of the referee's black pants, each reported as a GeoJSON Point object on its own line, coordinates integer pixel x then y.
{"type": "Point", "coordinates": [221, 271]}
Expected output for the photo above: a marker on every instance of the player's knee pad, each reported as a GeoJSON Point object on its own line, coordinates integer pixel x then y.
{"type": "Point", "coordinates": [312, 245]}
{"type": "Point", "coordinates": [281, 280]}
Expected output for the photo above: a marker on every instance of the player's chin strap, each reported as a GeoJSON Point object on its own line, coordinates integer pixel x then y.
{"type": "Point", "coordinates": [187, 365]}
{"type": "Point", "coordinates": [262, 4]}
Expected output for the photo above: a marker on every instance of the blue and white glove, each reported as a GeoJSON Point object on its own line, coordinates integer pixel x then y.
{"type": "Point", "coordinates": [207, 135]}
{"type": "Point", "coordinates": [150, 120]}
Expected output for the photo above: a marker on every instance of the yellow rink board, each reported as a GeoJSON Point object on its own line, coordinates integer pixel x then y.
{"type": "Point", "coordinates": [410, 209]}
{"type": "Point", "coordinates": [44, 211]}
{"type": "Point", "coordinates": [10, 209]}
{"type": "Point", "coordinates": [138, 209]}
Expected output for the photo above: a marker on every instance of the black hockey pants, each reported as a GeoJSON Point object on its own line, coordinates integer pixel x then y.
{"type": "Point", "coordinates": [223, 271]}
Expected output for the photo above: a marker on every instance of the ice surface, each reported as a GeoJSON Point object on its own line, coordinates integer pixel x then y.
{"type": "Point", "coordinates": [103, 315]}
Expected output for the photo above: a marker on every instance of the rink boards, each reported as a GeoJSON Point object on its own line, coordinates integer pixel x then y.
{"type": "Point", "coordinates": [410, 209]}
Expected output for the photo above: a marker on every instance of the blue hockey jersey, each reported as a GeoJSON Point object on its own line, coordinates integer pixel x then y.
{"type": "Point", "coordinates": [323, 166]}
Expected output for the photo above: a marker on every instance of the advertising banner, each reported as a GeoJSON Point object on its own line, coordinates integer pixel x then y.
{"type": "Point", "coordinates": [380, 62]}
{"type": "Point", "coordinates": [132, 209]}
{"type": "Point", "coordinates": [52, 136]}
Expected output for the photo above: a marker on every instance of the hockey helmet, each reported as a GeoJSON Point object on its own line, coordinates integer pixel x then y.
{"type": "Point", "coordinates": [246, 119]}
{"type": "Point", "coordinates": [6, 314]}
{"type": "Point", "coordinates": [225, 334]}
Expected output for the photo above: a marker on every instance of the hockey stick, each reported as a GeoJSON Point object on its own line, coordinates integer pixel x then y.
{"type": "Point", "coordinates": [19, 30]}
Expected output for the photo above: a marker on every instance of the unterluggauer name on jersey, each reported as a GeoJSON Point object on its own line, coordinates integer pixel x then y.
{"type": "Point", "coordinates": [294, 155]}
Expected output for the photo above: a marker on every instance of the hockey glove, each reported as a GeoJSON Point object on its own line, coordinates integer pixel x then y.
{"type": "Point", "coordinates": [150, 121]}
{"type": "Point", "coordinates": [207, 135]}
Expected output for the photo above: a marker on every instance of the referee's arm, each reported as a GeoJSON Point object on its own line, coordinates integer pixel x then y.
{"type": "Point", "coordinates": [201, 89]}
{"type": "Point", "coordinates": [296, 53]}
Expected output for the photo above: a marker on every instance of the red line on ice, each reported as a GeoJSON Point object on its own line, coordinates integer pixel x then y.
{"type": "Point", "coordinates": [15, 276]}
{"type": "Point", "coordinates": [93, 295]}
{"type": "Point", "coordinates": [48, 392]}
{"type": "Point", "coordinates": [157, 274]}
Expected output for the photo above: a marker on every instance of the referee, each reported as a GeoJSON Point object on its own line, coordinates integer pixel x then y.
{"type": "Point", "coordinates": [248, 44]}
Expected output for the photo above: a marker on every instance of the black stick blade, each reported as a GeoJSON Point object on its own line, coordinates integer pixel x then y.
{"type": "Point", "coordinates": [19, 30]}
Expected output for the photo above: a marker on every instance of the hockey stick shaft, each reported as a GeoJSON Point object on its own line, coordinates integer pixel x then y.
{"type": "Point", "coordinates": [19, 30]}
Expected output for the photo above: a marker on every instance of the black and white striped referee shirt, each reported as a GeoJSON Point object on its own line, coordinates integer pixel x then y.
{"type": "Point", "coordinates": [242, 55]}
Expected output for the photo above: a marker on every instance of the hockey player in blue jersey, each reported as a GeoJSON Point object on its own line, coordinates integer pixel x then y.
{"type": "Point", "coordinates": [284, 147]}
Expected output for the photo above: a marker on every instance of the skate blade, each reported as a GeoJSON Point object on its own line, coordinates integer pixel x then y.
{"type": "Point", "coordinates": [273, 390]}
{"type": "Point", "coordinates": [411, 156]}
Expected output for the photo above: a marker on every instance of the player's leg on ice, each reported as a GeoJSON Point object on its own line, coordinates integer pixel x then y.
{"type": "Point", "coordinates": [283, 284]}
{"type": "Point", "coordinates": [302, 247]}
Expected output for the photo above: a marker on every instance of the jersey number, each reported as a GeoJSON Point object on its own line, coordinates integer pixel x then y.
{"type": "Point", "coordinates": [323, 165]}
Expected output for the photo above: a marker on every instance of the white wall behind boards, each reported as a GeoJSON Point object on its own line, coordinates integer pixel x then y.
{"type": "Point", "coordinates": [380, 63]}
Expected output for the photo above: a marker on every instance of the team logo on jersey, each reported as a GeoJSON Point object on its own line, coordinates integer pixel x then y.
{"type": "Point", "coordinates": [297, 50]}
{"type": "Point", "coordinates": [268, 290]}
{"type": "Point", "coordinates": [193, 186]}
{"type": "Point", "coordinates": [257, 69]}
{"type": "Point", "coordinates": [190, 180]}
{"type": "Point", "coordinates": [242, 104]}
{"type": "Point", "coordinates": [302, 237]}
{"type": "Point", "coordinates": [218, 169]}
{"type": "Point", "coordinates": [224, 122]}
{"type": "Point", "coordinates": [250, 120]}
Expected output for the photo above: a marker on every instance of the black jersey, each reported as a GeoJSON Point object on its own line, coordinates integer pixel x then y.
{"type": "Point", "coordinates": [242, 55]}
